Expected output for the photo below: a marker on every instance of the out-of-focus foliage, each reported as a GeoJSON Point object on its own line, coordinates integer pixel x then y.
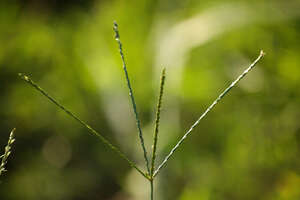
{"type": "Point", "coordinates": [247, 148]}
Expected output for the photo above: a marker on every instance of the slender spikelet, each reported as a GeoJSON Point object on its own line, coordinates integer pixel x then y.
{"type": "Point", "coordinates": [7, 151]}
{"type": "Point", "coordinates": [91, 130]}
{"type": "Point", "coordinates": [157, 120]}
{"type": "Point", "coordinates": [138, 123]}
{"type": "Point", "coordinates": [156, 129]}
{"type": "Point", "coordinates": [220, 97]}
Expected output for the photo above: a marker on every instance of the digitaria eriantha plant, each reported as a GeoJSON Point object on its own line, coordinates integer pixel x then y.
{"type": "Point", "coordinates": [151, 171]}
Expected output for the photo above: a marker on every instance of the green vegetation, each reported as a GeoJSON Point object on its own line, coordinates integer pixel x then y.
{"type": "Point", "coordinates": [247, 148]}
{"type": "Point", "coordinates": [150, 174]}
{"type": "Point", "coordinates": [7, 152]}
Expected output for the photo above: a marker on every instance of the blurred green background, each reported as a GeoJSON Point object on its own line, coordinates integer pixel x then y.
{"type": "Point", "coordinates": [247, 148]}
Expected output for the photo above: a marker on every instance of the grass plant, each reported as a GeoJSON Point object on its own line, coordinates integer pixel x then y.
{"type": "Point", "coordinates": [151, 172]}
{"type": "Point", "coordinates": [7, 151]}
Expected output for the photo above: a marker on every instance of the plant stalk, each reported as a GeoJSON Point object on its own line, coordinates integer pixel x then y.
{"type": "Point", "coordinates": [207, 111]}
{"type": "Point", "coordinates": [156, 129]}
{"type": "Point", "coordinates": [152, 191]}
{"type": "Point", "coordinates": [91, 130]}
{"type": "Point", "coordinates": [138, 123]}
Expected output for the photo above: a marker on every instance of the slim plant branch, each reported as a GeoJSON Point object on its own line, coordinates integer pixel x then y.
{"type": "Point", "coordinates": [156, 129]}
{"type": "Point", "coordinates": [7, 151]}
{"type": "Point", "coordinates": [138, 123]}
{"type": "Point", "coordinates": [151, 189]}
{"type": "Point", "coordinates": [158, 109]}
{"type": "Point", "coordinates": [91, 130]}
{"type": "Point", "coordinates": [207, 110]}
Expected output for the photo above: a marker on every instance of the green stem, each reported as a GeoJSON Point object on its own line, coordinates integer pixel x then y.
{"type": "Point", "coordinates": [138, 123]}
{"type": "Point", "coordinates": [152, 191]}
{"type": "Point", "coordinates": [158, 109]}
{"type": "Point", "coordinates": [207, 111]}
{"type": "Point", "coordinates": [91, 130]}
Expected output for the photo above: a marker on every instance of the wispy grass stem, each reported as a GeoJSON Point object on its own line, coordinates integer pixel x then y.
{"type": "Point", "coordinates": [151, 189]}
{"type": "Point", "coordinates": [91, 130]}
{"type": "Point", "coordinates": [158, 109]}
{"type": "Point", "coordinates": [207, 111]}
{"type": "Point", "coordinates": [138, 123]}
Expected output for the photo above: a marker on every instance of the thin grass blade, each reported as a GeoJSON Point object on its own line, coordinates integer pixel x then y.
{"type": "Point", "coordinates": [157, 120]}
{"type": "Point", "coordinates": [91, 130]}
{"type": "Point", "coordinates": [207, 111]}
{"type": "Point", "coordinates": [138, 123]}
